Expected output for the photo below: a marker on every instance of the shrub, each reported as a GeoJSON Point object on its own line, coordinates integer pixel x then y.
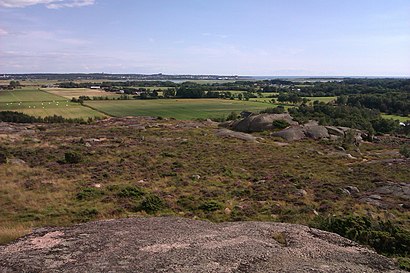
{"type": "Point", "coordinates": [405, 151]}
{"type": "Point", "coordinates": [88, 214]}
{"type": "Point", "coordinates": [187, 202]}
{"type": "Point", "coordinates": [232, 116]}
{"type": "Point", "coordinates": [211, 205]}
{"type": "Point", "coordinates": [3, 158]}
{"type": "Point", "coordinates": [151, 204]}
{"type": "Point", "coordinates": [384, 237]}
{"type": "Point", "coordinates": [280, 124]}
{"type": "Point", "coordinates": [130, 191]}
{"type": "Point", "coordinates": [274, 110]}
{"type": "Point", "coordinates": [73, 157]}
{"type": "Point", "coordinates": [88, 193]}
{"type": "Point", "coordinates": [404, 263]}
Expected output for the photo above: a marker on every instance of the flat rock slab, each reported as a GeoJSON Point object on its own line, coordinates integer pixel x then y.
{"type": "Point", "coordinates": [232, 134]}
{"type": "Point", "coordinates": [170, 244]}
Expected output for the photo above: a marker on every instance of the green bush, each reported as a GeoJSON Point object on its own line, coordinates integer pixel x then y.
{"type": "Point", "coordinates": [405, 151]}
{"type": "Point", "coordinates": [274, 110]}
{"type": "Point", "coordinates": [130, 191]}
{"type": "Point", "coordinates": [3, 157]}
{"type": "Point", "coordinates": [87, 214]}
{"type": "Point", "coordinates": [73, 157]}
{"type": "Point", "coordinates": [211, 205]}
{"type": "Point", "coordinates": [151, 204]}
{"type": "Point", "coordinates": [404, 263]}
{"type": "Point", "coordinates": [384, 237]}
{"type": "Point", "coordinates": [232, 116]}
{"type": "Point", "coordinates": [88, 193]}
{"type": "Point", "coordinates": [280, 124]}
{"type": "Point", "coordinates": [188, 202]}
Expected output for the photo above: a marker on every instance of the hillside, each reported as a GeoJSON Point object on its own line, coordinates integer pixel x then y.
{"type": "Point", "coordinates": [64, 174]}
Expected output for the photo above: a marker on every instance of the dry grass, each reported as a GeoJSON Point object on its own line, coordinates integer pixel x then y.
{"type": "Point", "coordinates": [249, 181]}
{"type": "Point", "coordinates": [10, 232]}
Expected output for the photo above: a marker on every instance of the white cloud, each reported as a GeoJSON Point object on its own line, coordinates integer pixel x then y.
{"type": "Point", "coordinates": [51, 4]}
{"type": "Point", "coordinates": [70, 4]}
{"type": "Point", "coordinates": [3, 32]}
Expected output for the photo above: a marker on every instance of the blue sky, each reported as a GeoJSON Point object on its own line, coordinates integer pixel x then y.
{"type": "Point", "coordinates": [230, 37]}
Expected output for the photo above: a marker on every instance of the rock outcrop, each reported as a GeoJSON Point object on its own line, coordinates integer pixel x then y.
{"type": "Point", "coordinates": [239, 135]}
{"type": "Point", "coordinates": [171, 244]}
{"type": "Point", "coordinates": [265, 122]}
{"type": "Point", "coordinates": [258, 123]}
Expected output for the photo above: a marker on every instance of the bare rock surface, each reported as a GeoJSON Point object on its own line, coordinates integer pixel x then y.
{"type": "Point", "coordinates": [293, 133]}
{"type": "Point", "coordinates": [232, 134]}
{"type": "Point", "coordinates": [258, 123]}
{"type": "Point", "coordinates": [170, 244]}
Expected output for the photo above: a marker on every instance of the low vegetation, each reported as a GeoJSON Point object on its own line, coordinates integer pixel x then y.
{"type": "Point", "coordinates": [383, 236]}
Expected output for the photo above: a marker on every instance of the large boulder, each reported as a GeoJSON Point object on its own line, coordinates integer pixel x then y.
{"type": "Point", "coordinates": [259, 123]}
{"type": "Point", "coordinates": [239, 135]}
{"type": "Point", "coordinates": [333, 130]}
{"type": "Point", "coordinates": [169, 244]}
{"type": "Point", "coordinates": [292, 133]}
{"type": "Point", "coordinates": [316, 131]}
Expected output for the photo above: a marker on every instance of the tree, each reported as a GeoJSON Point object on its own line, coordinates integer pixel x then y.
{"type": "Point", "coordinates": [169, 93]}
{"type": "Point", "coordinates": [14, 84]}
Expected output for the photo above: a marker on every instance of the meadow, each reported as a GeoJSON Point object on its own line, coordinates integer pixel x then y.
{"type": "Point", "coordinates": [396, 117]}
{"type": "Point", "coordinates": [27, 95]}
{"type": "Point", "coordinates": [176, 108]}
{"type": "Point", "coordinates": [70, 93]}
{"type": "Point", "coordinates": [41, 104]}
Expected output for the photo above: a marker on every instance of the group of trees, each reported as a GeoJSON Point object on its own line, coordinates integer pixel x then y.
{"type": "Point", "coordinates": [16, 117]}
{"type": "Point", "coordinates": [291, 97]}
{"type": "Point", "coordinates": [354, 86]}
{"type": "Point", "coordinates": [347, 116]}
{"type": "Point", "coordinates": [391, 103]}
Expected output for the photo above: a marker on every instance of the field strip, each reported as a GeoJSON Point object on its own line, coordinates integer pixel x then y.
{"type": "Point", "coordinates": [95, 109]}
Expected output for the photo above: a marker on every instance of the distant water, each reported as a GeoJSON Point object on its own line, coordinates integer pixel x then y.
{"type": "Point", "coordinates": [322, 77]}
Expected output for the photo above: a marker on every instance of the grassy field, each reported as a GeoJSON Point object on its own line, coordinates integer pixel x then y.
{"type": "Point", "coordinates": [238, 180]}
{"type": "Point", "coordinates": [70, 93]}
{"type": "Point", "coordinates": [182, 109]}
{"type": "Point", "coordinates": [40, 104]}
{"type": "Point", "coordinates": [395, 117]}
{"type": "Point", "coordinates": [27, 95]}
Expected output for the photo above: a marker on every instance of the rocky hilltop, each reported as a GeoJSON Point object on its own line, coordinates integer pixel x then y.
{"type": "Point", "coordinates": [169, 244]}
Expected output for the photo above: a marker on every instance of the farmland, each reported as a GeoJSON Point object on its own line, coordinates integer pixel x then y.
{"type": "Point", "coordinates": [70, 93]}
{"type": "Point", "coordinates": [176, 108]}
{"type": "Point", "coordinates": [27, 95]}
{"type": "Point", "coordinates": [41, 104]}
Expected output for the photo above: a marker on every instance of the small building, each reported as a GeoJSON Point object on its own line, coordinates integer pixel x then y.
{"type": "Point", "coordinates": [95, 87]}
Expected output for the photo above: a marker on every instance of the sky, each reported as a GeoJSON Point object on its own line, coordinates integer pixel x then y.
{"type": "Point", "coordinates": [225, 37]}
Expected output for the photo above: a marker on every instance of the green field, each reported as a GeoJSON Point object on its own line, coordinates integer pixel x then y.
{"type": "Point", "coordinates": [183, 109]}
{"type": "Point", "coordinates": [70, 93]}
{"type": "Point", "coordinates": [41, 104]}
{"type": "Point", "coordinates": [395, 117]}
{"type": "Point", "coordinates": [264, 100]}
{"type": "Point", "coordinates": [27, 95]}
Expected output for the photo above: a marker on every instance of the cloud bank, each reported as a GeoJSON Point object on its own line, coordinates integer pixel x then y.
{"type": "Point", "coordinates": [51, 4]}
